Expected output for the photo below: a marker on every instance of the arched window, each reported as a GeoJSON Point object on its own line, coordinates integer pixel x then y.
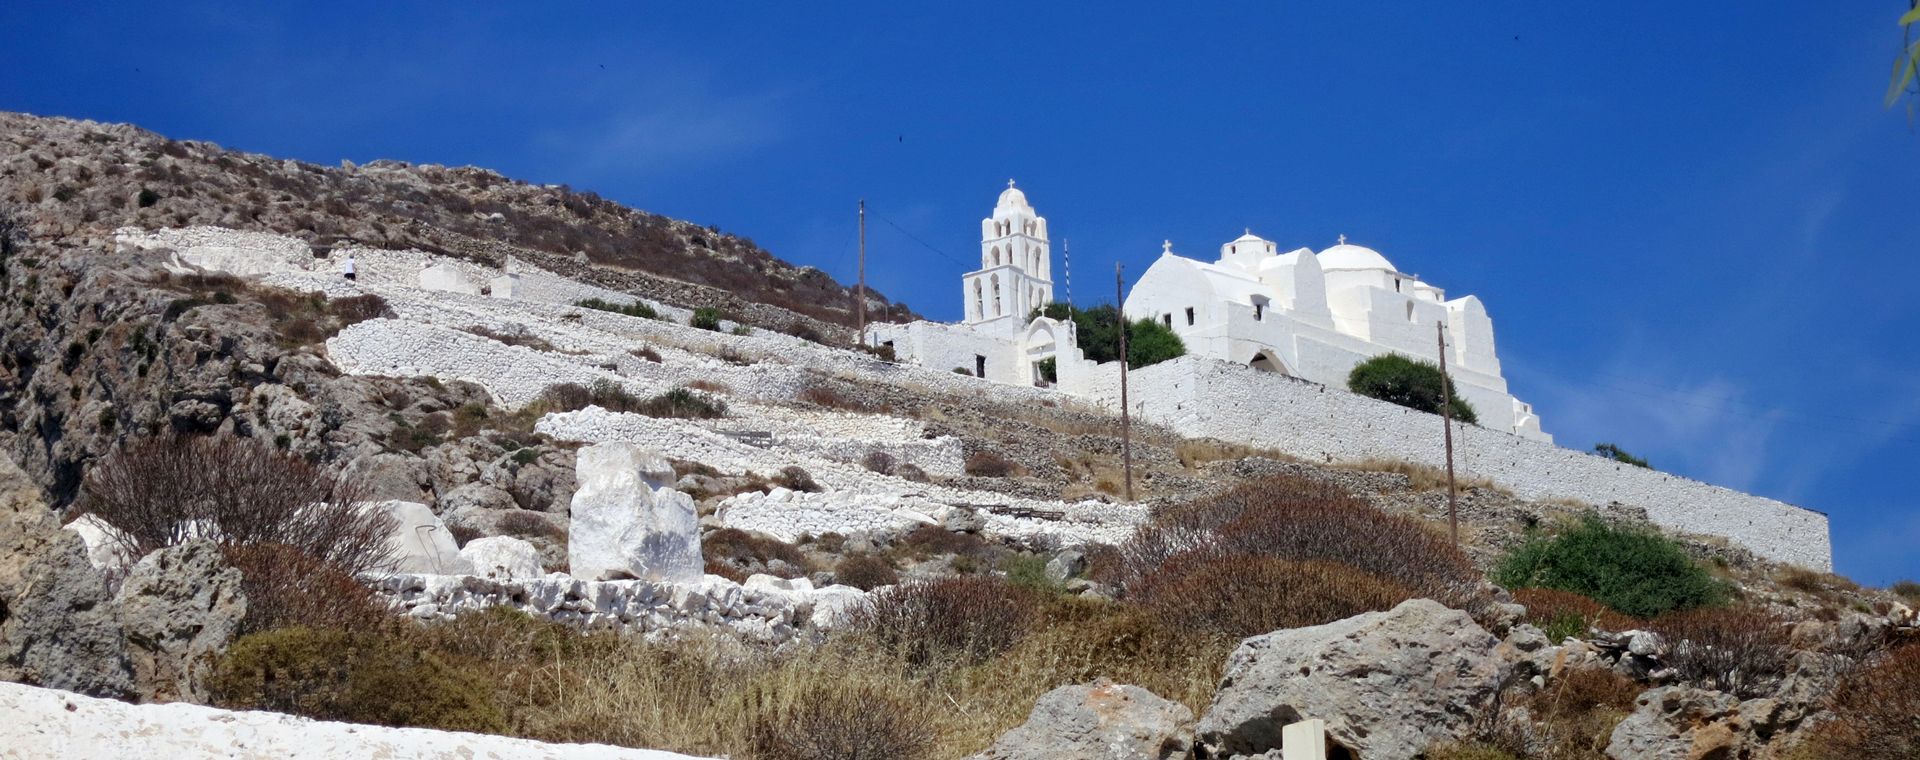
{"type": "Point", "coordinates": [979, 307]}
{"type": "Point", "coordinates": [996, 255]}
{"type": "Point", "coordinates": [996, 296]}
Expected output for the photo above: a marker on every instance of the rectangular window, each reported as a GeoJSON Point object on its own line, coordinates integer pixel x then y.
{"type": "Point", "coordinates": [1167, 318]}
{"type": "Point", "coordinates": [1259, 311]}
{"type": "Point", "coordinates": [1189, 316]}
{"type": "Point", "coordinates": [979, 366]}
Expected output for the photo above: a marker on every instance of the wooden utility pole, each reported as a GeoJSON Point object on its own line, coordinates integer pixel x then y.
{"type": "Point", "coordinates": [861, 293]}
{"type": "Point", "coordinates": [1446, 422]}
{"type": "Point", "coordinates": [1126, 423]}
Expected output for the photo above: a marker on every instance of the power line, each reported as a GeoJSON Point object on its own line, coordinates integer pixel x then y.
{"type": "Point", "coordinates": [914, 238]}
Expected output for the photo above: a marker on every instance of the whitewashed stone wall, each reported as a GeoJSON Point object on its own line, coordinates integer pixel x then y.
{"type": "Point", "coordinates": [1204, 397]}
{"type": "Point", "coordinates": [765, 609]}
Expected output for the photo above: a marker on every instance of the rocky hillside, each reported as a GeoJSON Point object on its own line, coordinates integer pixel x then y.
{"type": "Point", "coordinates": [79, 180]}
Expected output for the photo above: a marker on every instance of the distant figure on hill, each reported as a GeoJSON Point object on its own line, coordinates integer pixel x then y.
{"type": "Point", "coordinates": [349, 271]}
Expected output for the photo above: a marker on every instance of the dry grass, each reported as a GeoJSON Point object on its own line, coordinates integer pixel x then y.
{"type": "Point", "coordinates": [1564, 613]}
{"type": "Point", "coordinates": [1419, 476]}
{"type": "Point", "coordinates": [710, 386]}
{"type": "Point", "coordinates": [1194, 452]}
{"type": "Point", "coordinates": [1741, 651]}
{"type": "Point", "coordinates": [1239, 595]}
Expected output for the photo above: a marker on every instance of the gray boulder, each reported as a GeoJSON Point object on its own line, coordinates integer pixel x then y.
{"type": "Point", "coordinates": [1066, 565]}
{"type": "Point", "coordinates": [1098, 721]}
{"type": "Point", "coordinates": [57, 627]}
{"type": "Point", "coordinates": [1388, 684]}
{"type": "Point", "coordinates": [1677, 723]}
{"type": "Point", "coordinates": [180, 606]}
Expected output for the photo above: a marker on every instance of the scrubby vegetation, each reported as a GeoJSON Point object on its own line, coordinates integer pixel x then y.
{"type": "Point", "coordinates": [1618, 454]}
{"type": "Point", "coordinates": [1412, 383]}
{"type": "Point", "coordinates": [1635, 571]}
{"type": "Point", "coordinates": [636, 309]}
{"type": "Point", "coordinates": [161, 491]}
{"type": "Point", "coordinates": [609, 395]}
{"type": "Point", "coordinates": [705, 318]}
{"type": "Point", "coordinates": [988, 464]}
{"type": "Point", "coordinates": [1876, 713]}
{"type": "Point", "coordinates": [1561, 614]}
{"type": "Point", "coordinates": [1300, 521]}
{"type": "Point", "coordinates": [1741, 651]}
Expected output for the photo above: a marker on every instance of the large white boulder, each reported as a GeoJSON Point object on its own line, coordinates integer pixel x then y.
{"type": "Point", "coordinates": [502, 558]}
{"type": "Point", "coordinates": [104, 548]}
{"type": "Point", "coordinates": [627, 522]}
{"type": "Point", "coordinates": [420, 542]}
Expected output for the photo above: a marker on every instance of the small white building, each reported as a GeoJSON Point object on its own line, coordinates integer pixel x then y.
{"type": "Point", "coordinates": [1315, 316]}
{"type": "Point", "coordinates": [1311, 316]}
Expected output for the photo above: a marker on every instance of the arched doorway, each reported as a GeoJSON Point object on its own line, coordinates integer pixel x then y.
{"type": "Point", "coordinates": [1265, 361]}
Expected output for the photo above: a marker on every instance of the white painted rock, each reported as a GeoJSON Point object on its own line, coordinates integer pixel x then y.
{"type": "Point", "coordinates": [627, 523]}
{"type": "Point", "coordinates": [420, 542]}
{"type": "Point", "coordinates": [104, 550]}
{"type": "Point", "coordinates": [502, 558]}
{"type": "Point", "coordinates": [52, 723]}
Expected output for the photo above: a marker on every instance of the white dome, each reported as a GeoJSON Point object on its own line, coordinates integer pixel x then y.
{"type": "Point", "coordinates": [1349, 256]}
{"type": "Point", "coordinates": [1013, 198]}
{"type": "Point", "coordinates": [1248, 238]}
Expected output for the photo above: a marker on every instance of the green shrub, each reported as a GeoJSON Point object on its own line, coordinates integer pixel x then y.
{"type": "Point", "coordinates": [1097, 331]}
{"type": "Point", "coordinates": [1632, 570]}
{"type": "Point", "coordinates": [705, 318]}
{"type": "Point", "coordinates": [1412, 383]}
{"type": "Point", "coordinates": [635, 309]}
{"type": "Point", "coordinates": [1618, 454]}
{"type": "Point", "coordinates": [378, 677]}
{"type": "Point", "coordinates": [680, 403]}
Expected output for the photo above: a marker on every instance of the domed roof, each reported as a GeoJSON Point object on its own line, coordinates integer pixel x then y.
{"type": "Point", "coordinates": [1349, 256]}
{"type": "Point", "coordinates": [1013, 198]}
{"type": "Point", "coordinates": [1248, 238]}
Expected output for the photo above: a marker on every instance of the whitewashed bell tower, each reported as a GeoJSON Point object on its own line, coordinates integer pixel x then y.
{"type": "Point", "coordinates": [1016, 270]}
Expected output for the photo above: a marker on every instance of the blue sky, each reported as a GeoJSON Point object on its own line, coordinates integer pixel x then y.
{"type": "Point", "coordinates": [1693, 225]}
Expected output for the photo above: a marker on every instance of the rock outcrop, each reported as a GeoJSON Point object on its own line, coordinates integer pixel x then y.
{"type": "Point", "coordinates": [180, 606]}
{"type": "Point", "coordinates": [1388, 684]}
{"type": "Point", "coordinates": [627, 520]}
{"type": "Point", "coordinates": [57, 626]}
{"type": "Point", "coordinates": [1686, 723]}
{"type": "Point", "coordinates": [1098, 721]}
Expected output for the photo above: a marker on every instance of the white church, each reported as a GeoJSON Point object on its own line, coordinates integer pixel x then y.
{"type": "Point", "coordinates": [1311, 316]}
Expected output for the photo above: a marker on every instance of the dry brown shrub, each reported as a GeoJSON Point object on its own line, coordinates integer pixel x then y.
{"type": "Point", "coordinates": [928, 540]}
{"type": "Point", "coordinates": [521, 522]}
{"type": "Point", "coordinates": [734, 551]}
{"type": "Point", "coordinates": [988, 464]}
{"type": "Point", "coordinates": [848, 721]}
{"type": "Point", "coordinates": [829, 397]}
{"type": "Point", "coordinates": [880, 462]}
{"type": "Point", "coordinates": [565, 397]}
{"type": "Point", "coordinates": [162, 491]}
{"type": "Point", "coordinates": [955, 620]}
{"type": "Point", "coordinates": [865, 572]}
{"type": "Point", "coordinates": [1240, 595]}
{"type": "Point", "coordinates": [285, 588]}
{"type": "Point", "coordinates": [1553, 610]}
{"type": "Point", "coordinates": [911, 472]}
{"type": "Point", "coordinates": [1304, 520]}
{"type": "Point", "coordinates": [356, 309]}
{"type": "Point", "coordinates": [1741, 651]}
{"type": "Point", "coordinates": [795, 478]}
{"type": "Point", "coordinates": [1876, 713]}
{"type": "Point", "coordinates": [710, 386]}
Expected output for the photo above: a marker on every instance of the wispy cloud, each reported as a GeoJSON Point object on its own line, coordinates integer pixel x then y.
{"type": "Point", "coordinates": [678, 130]}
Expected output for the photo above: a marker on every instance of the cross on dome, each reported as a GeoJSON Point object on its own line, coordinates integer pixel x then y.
{"type": "Point", "coordinates": [1009, 183]}
{"type": "Point", "coordinates": [1166, 246]}
{"type": "Point", "coordinates": [1343, 239]}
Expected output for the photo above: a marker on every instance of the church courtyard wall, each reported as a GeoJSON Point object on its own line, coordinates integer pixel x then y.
{"type": "Point", "coordinates": [1209, 398]}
